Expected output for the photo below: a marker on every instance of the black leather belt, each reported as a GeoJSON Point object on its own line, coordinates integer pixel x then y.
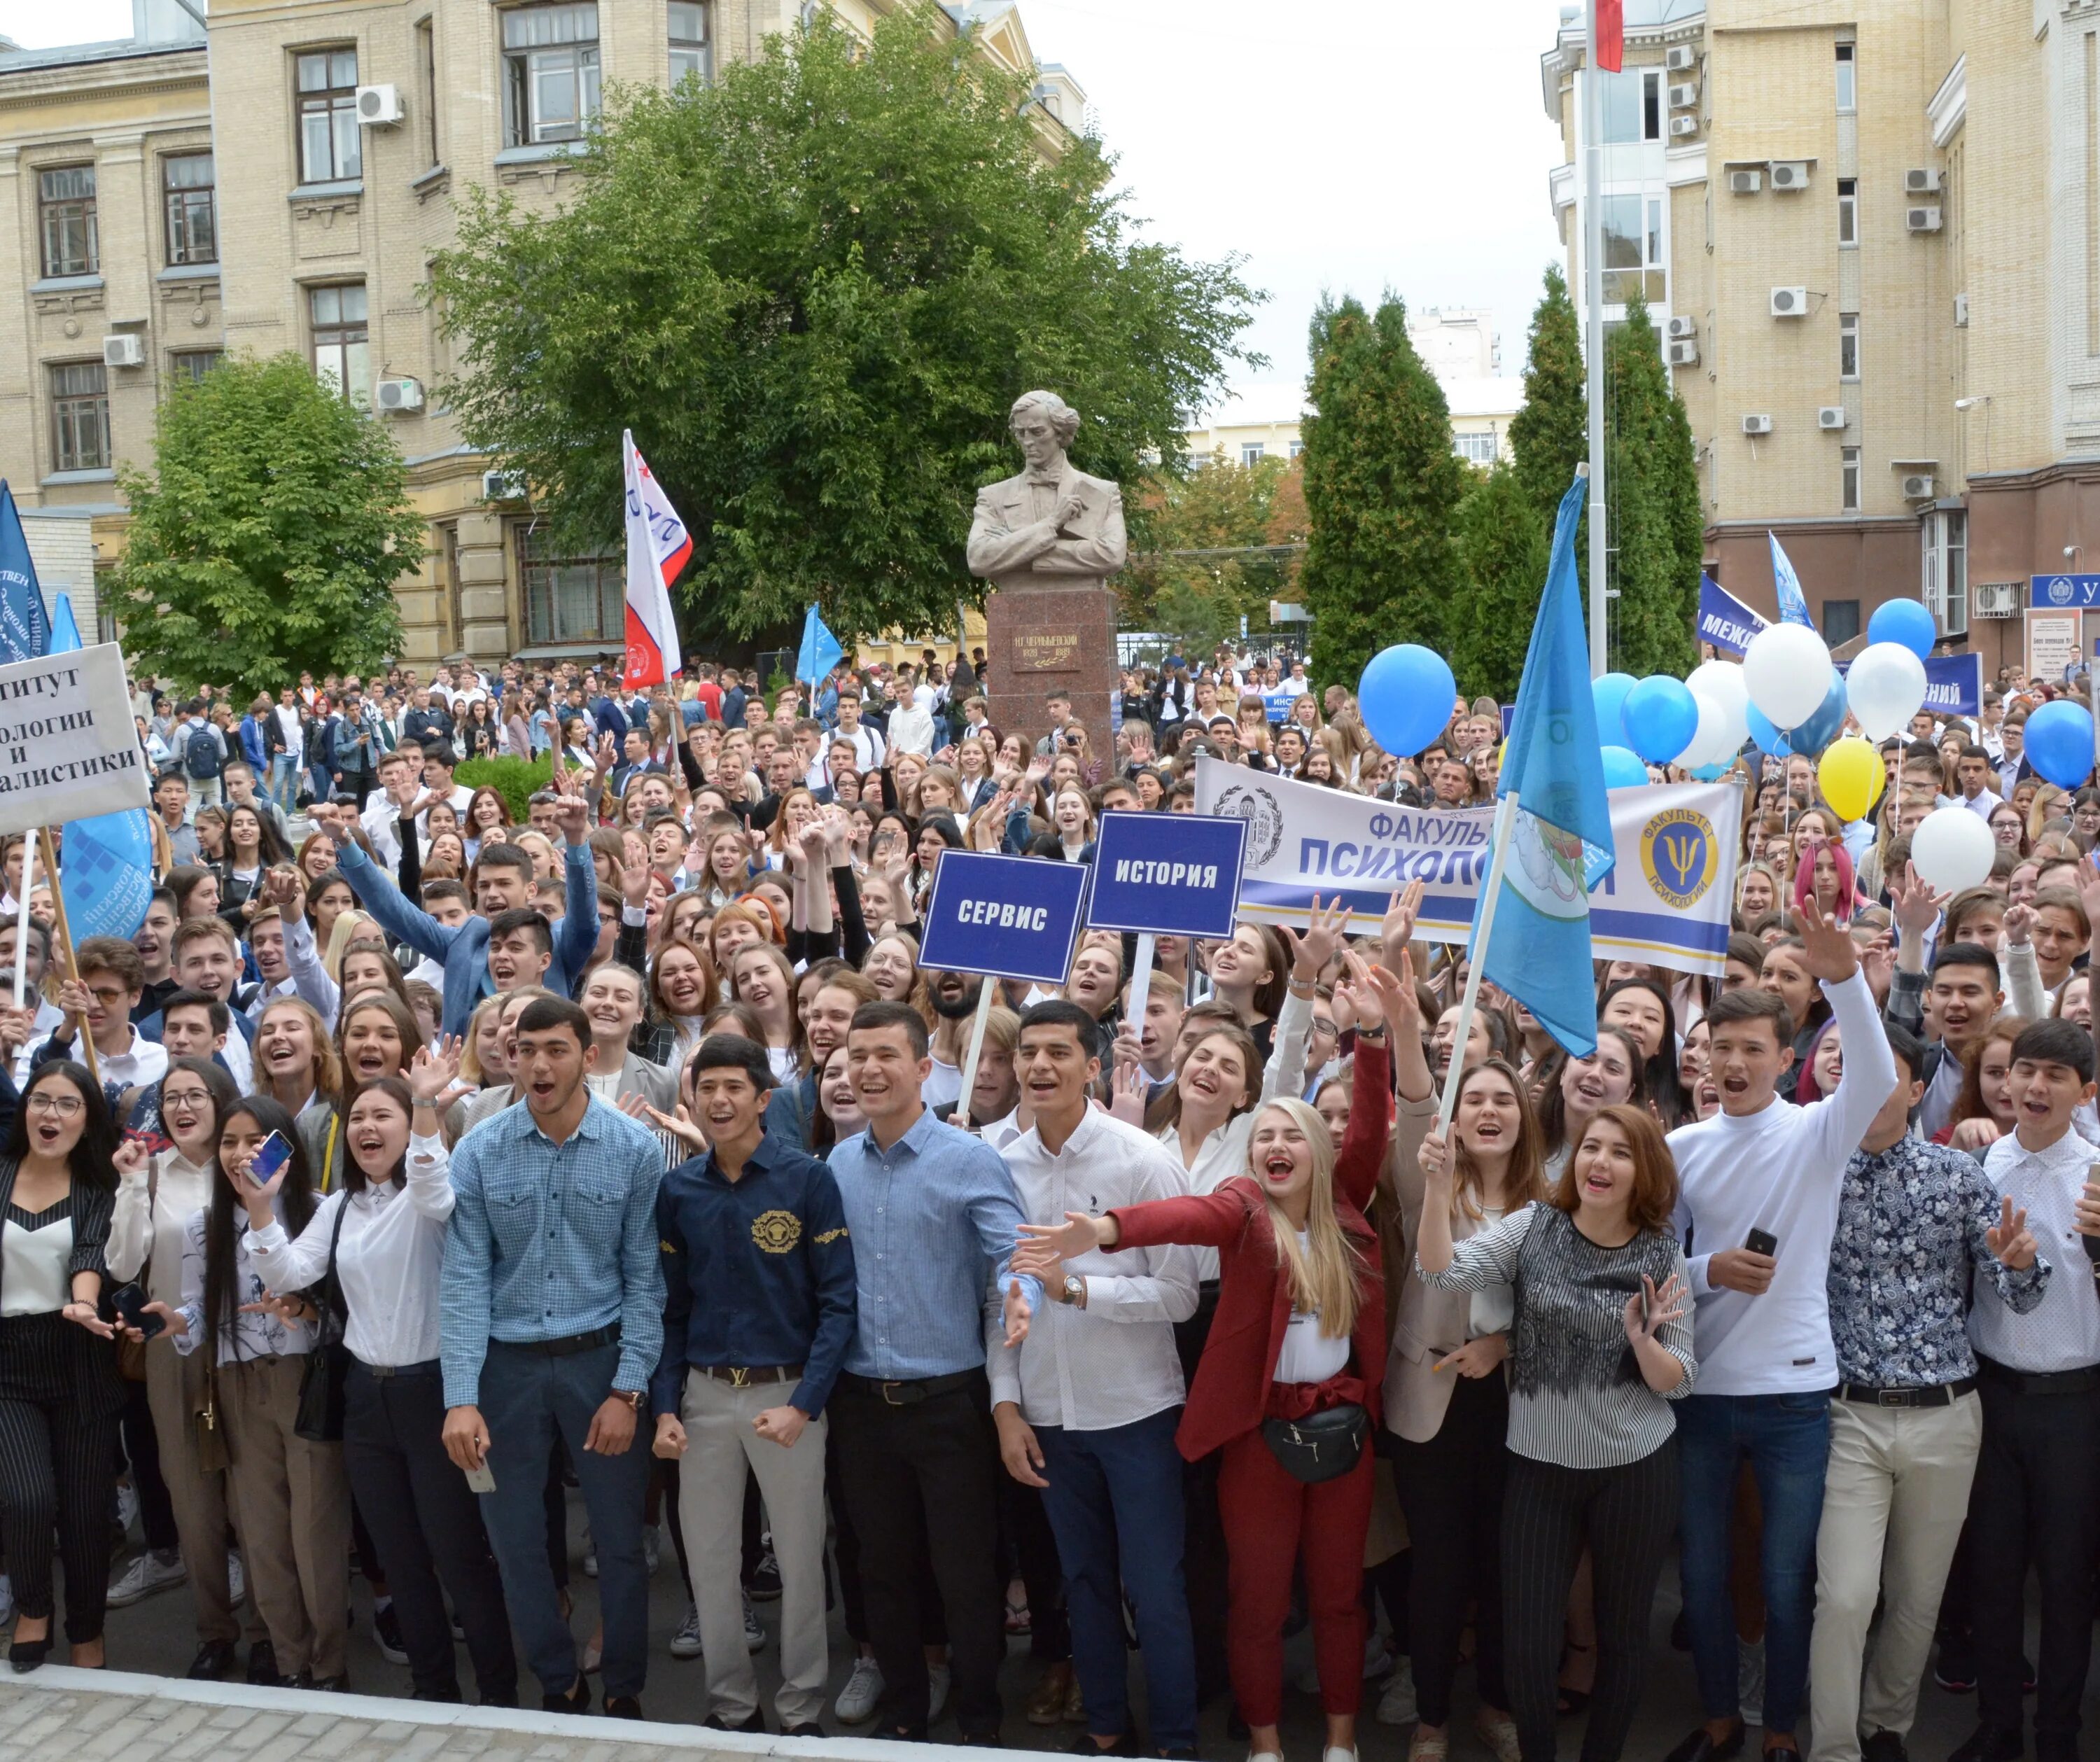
{"type": "Point", "coordinates": [743, 1375]}
{"type": "Point", "coordinates": [383, 1372]}
{"type": "Point", "coordinates": [568, 1345]}
{"type": "Point", "coordinates": [1932, 1395]}
{"type": "Point", "coordinates": [2082, 1380]}
{"type": "Point", "coordinates": [909, 1393]}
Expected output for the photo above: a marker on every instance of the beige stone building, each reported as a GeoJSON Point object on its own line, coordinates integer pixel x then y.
{"type": "Point", "coordinates": [1868, 232]}
{"type": "Point", "coordinates": [286, 185]}
{"type": "Point", "coordinates": [1262, 421]}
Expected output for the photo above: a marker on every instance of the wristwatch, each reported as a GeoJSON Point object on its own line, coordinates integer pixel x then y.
{"type": "Point", "coordinates": [1075, 1289]}
{"type": "Point", "coordinates": [631, 1396]}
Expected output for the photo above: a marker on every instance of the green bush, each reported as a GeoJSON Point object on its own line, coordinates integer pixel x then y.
{"type": "Point", "coordinates": [513, 779]}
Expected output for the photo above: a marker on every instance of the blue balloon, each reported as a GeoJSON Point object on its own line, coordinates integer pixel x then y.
{"type": "Point", "coordinates": [1767, 738]}
{"type": "Point", "coordinates": [2060, 743]}
{"type": "Point", "coordinates": [1906, 621]}
{"type": "Point", "coordinates": [1405, 697]}
{"type": "Point", "coordinates": [1712, 773]}
{"type": "Point", "coordinates": [1623, 769]}
{"type": "Point", "coordinates": [106, 873]}
{"type": "Point", "coordinates": [1609, 695]}
{"type": "Point", "coordinates": [1661, 715]}
{"type": "Point", "coordinates": [1825, 725]}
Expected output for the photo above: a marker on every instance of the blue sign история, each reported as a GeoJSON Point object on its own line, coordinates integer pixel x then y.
{"type": "Point", "coordinates": [1167, 874]}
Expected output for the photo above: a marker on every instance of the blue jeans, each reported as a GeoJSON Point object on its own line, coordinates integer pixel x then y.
{"type": "Point", "coordinates": [283, 781]}
{"type": "Point", "coordinates": [525, 1396]}
{"type": "Point", "coordinates": [1786, 1440]}
{"type": "Point", "coordinates": [1114, 1503]}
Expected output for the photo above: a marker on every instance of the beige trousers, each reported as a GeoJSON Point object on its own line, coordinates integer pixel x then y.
{"type": "Point", "coordinates": [202, 1502]}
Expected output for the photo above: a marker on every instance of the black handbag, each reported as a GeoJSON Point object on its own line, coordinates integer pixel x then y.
{"type": "Point", "coordinates": [1320, 1446]}
{"type": "Point", "coordinates": [325, 1383]}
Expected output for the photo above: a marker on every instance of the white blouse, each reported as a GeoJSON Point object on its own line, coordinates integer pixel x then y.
{"type": "Point", "coordinates": [180, 1191]}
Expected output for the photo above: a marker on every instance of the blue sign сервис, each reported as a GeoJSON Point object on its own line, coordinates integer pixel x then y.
{"type": "Point", "coordinates": [1167, 874]}
{"type": "Point", "coordinates": [1013, 917]}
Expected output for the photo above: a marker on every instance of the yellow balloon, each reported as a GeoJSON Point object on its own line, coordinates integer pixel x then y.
{"type": "Point", "coordinates": [1851, 776]}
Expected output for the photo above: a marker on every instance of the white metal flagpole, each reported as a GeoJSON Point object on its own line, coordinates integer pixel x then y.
{"type": "Point", "coordinates": [1490, 891]}
{"type": "Point", "coordinates": [1592, 339]}
{"type": "Point", "coordinates": [22, 920]}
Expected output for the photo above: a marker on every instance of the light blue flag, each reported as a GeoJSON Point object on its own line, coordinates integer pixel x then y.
{"type": "Point", "coordinates": [1793, 605]}
{"type": "Point", "coordinates": [106, 869]}
{"type": "Point", "coordinates": [25, 633]}
{"type": "Point", "coordinates": [820, 650]}
{"type": "Point", "coordinates": [1560, 840]}
{"type": "Point", "coordinates": [66, 633]}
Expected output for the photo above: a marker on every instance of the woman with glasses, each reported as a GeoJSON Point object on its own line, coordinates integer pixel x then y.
{"type": "Point", "coordinates": [59, 1401]}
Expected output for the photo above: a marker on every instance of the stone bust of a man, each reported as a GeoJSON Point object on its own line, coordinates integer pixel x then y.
{"type": "Point", "coordinates": [1051, 526]}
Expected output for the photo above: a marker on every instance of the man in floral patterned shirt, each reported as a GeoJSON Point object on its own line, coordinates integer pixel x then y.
{"type": "Point", "coordinates": [1918, 1225]}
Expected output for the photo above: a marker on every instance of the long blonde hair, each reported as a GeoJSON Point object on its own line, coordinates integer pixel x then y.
{"type": "Point", "coordinates": [1322, 1273]}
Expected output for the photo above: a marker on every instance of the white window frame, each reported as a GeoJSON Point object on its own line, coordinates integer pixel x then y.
{"type": "Point", "coordinates": [532, 69]}
{"type": "Point", "coordinates": [332, 109]}
{"type": "Point", "coordinates": [1477, 448]}
{"type": "Point", "coordinates": [1945, 556]}
{"type": "Point", "coordinates": [1848, 214]}
{"type": "Point", "coordinates": [341, 346]}
{"type": "Point", "coordinates": [692, 55]}
{"type": "Point", "coordinates": [1848, 479]}
{"type": "Point", "coordinates": [1847, 79]}
{"type": "Point", "coordinates": [1848, 347]}
{"type": "Point", "coordinates": [1252, 452]}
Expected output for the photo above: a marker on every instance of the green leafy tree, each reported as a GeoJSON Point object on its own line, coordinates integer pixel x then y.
{"type": "Point", "coordinates": [1550, 436]}
{"type": "Point", "coordinates": [1209, 559]}
{"type": "Point", "coordinates": [813, 290]}
{"type": "Point", "coordinates": [267, 538]}
{"type": "Point", "coordinates": [1381, 488]}
{"type": "Point", "coordinates": [1504, 549]}
{"type": "Point", "coordinates": [1652, 503]}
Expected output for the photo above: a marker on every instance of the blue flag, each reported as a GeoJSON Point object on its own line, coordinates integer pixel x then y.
{"type": "Point", "coordinates": [1560, 839]}
{"type": "Point", "coordinates": [24, 631]}
{"type": "Point", "coordinates": [66, 633]}
{"type": "Point", "coordinates": [820, 650]}
{"type": "Point", "coordinates": [1793, 605]}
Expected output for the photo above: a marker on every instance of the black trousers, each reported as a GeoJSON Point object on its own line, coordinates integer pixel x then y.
{"type": "Point", "coordinates": [2032, 1504]}
{"type": "Point", "coordinates": [142, 1450]}
{"type": "Point", "coordinates": [425, 1522]}
{"type": "Point", "coordinates": [1451, 1489]}
{"type": "Point", "coordinates": [921, 1481]}
{"type": "Point", "coordinates": [853, 1596]}
{"type": "Point", "coordinates": [1627, 1515]}
{"type": "Point", "coordinates": [60, 1409]}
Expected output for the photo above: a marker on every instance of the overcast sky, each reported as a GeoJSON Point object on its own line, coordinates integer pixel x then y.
{"type": "Point", "coordinates": [1338, 145]}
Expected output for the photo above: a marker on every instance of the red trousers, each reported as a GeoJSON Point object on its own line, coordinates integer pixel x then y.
{"type": "Point", "coordinates": [1270, 1519]}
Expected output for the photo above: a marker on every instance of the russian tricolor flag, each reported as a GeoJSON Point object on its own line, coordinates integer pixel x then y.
{"type": "Point", "coordinates": [1611, 34]}
{"type": "Point", "coordinates": [657, 547]}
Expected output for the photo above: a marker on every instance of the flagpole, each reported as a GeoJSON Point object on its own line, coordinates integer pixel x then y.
{"type": "Point", "coordinates": [1593, 350]}
{"type": "Point", "coordinates": [22, 923]}
{"type": "Point", "coordinates": [961, 1116]}
{"type": "Point", "coordinates": [1491, 891]}
{"type": "Point", "coordinates": [87, 1052]}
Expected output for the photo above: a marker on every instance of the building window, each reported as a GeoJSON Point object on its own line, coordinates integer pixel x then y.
{"type": "Point", "coordinates": [329, 152]}
{"type": "Point", "coordinates": [185, 182]}
{"type": "Point", "coordinates": [79, 417]}
{"type": "Point", "coordinates": [65, 198]}
{"type": "Point", "coordinates": [1848, 345]}
{"type": "Point", "coordinates": [689, 41]}
{"type": "Point", "coordinates": [550, 69]}
{"type": "Point", "coordinates": [1848, 479]}
{"type": "Point", "coordinates": [1475, 449]}
{"type": "Point", "coordinates": [1297, 447]}
{"type": "Point", "coordinates": [188, 366]}
{"type": "Point", "coordinates": [426, 69]}
{"type": "Point", "coordinates": [1633, 249]}
{"type": "Point", "coordinates": [572, 599]}
{"type": "Point", "coordinates": [1848, 211]}
{"type": "Point", "coordinates": [341, 343]}
{"type": "Point", "coordinates": [1848, 90]}
{"type": "Point", "coordinates": [1841, 621]}
{"type": "Point", "coordinates": [1250, 451]}
{"type": "Point", "coordinates": [1946, 534]}
{"type": "Point", "coordinates": [1633, 106]}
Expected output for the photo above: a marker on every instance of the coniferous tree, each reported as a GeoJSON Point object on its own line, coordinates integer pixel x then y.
{"type": "Point", "coordinates": [1550, 434]}
{"type": "Point", "coordinates": [1652, 502]}
{"type": "Point", "coordinates": [1382, 486]}
{"type": "Point", "coordinates": [1504, 549]}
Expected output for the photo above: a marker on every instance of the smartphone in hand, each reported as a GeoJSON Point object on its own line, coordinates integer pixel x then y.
{"type": "Point", "coordinates": [1761, 1242]}
{"type": "Point", "coordinates": [271, 1155]}
{"type": "Point", "coordinates": [129, 1303]}
{"type": "Point", "coordinates": [481, 1480]}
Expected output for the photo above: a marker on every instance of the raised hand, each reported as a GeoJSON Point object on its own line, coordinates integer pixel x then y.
{"type": "Point", "coordinates": [1912, 903]}
{"type": "Point", "coordinates": [1434, 1157]}
{"type": "Point", "coordinates": [681, 1126]}
{"type": "Point", "coordinates": [1397, 929]}
{"type": "Point", "coordinates": [2019, 925]}
{"type": "Point", "coordinates": [434, 1071]}
{"type": "Point", "coordinates": [572, 814]}
{"type": "Point", "coordinates": [1131, 1085]}
{"type": "Point", "coordinates": [634, 882]}
{"type": "Point", "coordinates": [131, 1157]}
{"type": "Point", "coordinates": [1827, 948]}
{"type": "Point", "coordinates": [1312, 951]}
{"type": "Point", "coordinates": [1652, 1309]}
{"type": "Point", "coordinates": [2009, 1240]}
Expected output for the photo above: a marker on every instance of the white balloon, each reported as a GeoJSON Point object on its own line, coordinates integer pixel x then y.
{"type": "Point", "coordinates": [1721, 682]}
{"type": "Point", "coordinates": [1952, 849]}
{"type": "Point", "coordinates": [1786, 670]}
{"type": "Point", "coordinates": [1884, 687]}
{"type": "Point", "coordinates": [1707, 745]}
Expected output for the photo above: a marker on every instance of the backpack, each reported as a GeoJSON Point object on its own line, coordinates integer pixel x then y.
{"type": "Point", "coordinates": [200, 754]}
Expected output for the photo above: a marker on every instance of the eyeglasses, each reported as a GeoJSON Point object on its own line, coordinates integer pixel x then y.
{"type": "Point", "coordinates": [1323, 1028]}
{"type": "Point", "coordinates": [65, 1107]}
{"type": "Point", "coordinates": [185, 1100]}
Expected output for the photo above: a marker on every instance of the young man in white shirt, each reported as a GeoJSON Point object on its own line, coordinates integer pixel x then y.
{"type": "Point", "coordinates": [111, 976]}
{"type": "Point", "coordinates": [1758, 1190]}
{"type": "Point", "coordinates": [2036, 1497]}
{"type": "Point", "coordinates": [867, 745]}
{"type": "Point", "coordinates": [1087, 1404]}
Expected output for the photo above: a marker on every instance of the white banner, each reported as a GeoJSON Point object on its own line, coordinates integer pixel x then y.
{"type": "Point", "coordinates": [1667, 901]}
{"type": "Point", "coordinates": [67, 748]}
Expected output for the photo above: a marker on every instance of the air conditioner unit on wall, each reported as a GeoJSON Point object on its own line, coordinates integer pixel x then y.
{"type": "Point", "coordinates": [1756, 425]}
{"type": "Point", "coordinates": [502, 486]}
{"type": "Point", "coordinates": [1789, 174]}
{"type": "Point", "coordinates": [1921, 219]}
{"type": "Point", "coordinates": [1684, 97]}
{"type": "Point", "coordinates": [1830, 416]}
{"type": "Point", "coordinates": [1681, 60]}
{"type": "Point", "coordinates": [1681, 127]}
{"type": "Point", "coordinates": [1682, 353]}
{"type": "Point", "coordinates": [1745, 182]}
{"type": "Point", "coordinates": [124, 349]}
{"type": "Point", "coordinates": [1683, 329]}
{"type": "Point", "coordinates": [398, 395]}
{"type": "Point", "coordinates": [1789, 302]}
{"type": "Point", "coordinates": [1918, 487]}
{"type": "Point", "coordinates": [1921, 180]}
{"type": "Point", "coordinates": [1995, 599]}
{"type": "Point", "coordinates": [380, 106]}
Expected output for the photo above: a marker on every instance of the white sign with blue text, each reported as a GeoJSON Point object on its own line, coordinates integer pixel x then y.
{"type": "Point", "coordinates": [1167, 874]}
{"type": "Point", "coordinates": [1013, 917]}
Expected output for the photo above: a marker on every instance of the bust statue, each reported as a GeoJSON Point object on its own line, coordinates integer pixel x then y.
{"type": "Point", "coordinates": [1051, 526]}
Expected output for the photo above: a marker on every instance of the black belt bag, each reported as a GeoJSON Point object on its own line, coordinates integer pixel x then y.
{"type": "Point", "coordinates": [1320, 1446]}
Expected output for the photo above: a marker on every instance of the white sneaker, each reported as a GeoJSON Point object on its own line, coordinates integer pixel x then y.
{"type": "Point", "coordinates": [685, 1642]}
{"type": "Point", "coordinates": [1332, 1753]}
{"type": "Point", "coordinates": [754, 1635]}
{"type": "Point", "coordinates": [145, 1576]}
{"type": "Point", "coordinates": [1750, 1680]}
{"type": "Point", "coordinates": [858, 1700]}
{"type": "Point", "coordinates": [1397, 1705]}
{"type": "Point", "coordinates": [938, 1676]}
{"type": "Point", "coordinates": [127, 1505]}
{"type": "Point", "coordinates": [237, 1578]}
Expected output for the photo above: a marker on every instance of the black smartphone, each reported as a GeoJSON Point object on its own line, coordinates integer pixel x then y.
{"type": "Point", "coordinates": [129, 1303]}
{"type": "Point", "coordinates": [1761, 1242]}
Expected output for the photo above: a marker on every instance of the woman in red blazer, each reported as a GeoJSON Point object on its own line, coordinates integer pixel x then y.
{"type": "Point", "coordinates": [1296, 1259]}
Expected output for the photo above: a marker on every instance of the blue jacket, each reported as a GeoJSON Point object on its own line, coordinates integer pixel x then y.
{"type": "Point", "coordinates": [251, 744]}
{"type": "Point", "coordinates": [791, 1111]}
{"type": "Point", "coordinates": [463, 951]}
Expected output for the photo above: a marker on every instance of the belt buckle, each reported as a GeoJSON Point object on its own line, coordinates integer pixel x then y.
{"type": "Point", "coordinates": [890, 1397]}
{"type": "Point", "coordinates": [1892, 1397]}
{"type": "Point", "coordinates": [739, 1376]}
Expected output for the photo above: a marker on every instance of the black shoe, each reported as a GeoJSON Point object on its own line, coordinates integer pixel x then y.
{"type": "Point", "coordinates": [981, 1741]}
{"type": "Point", "coordinates": [2027, 1677]}
{"type": "Point", "coordinates": [1955, 1670]}
{"type": "Point", "coordinates": [716, 1722]}
{"type": "Point", "coordinates": [808, 1728]}
{"type": "Point", "coordinates": [1176, 1753]}
{"type": "Point", "coordinates": [2055, 1746]}
{"type": "Point", "coordinates": [1124, 1746]}
{"type": "Point", "coordinates": [765, 1580]}
{"type": "Point", "coordinates": [1989, 1743]}
{"type": "Point", "coordinates": [451, 1697]}
{"type": "Point", "coordinates": [25, 1655]}
{"type": "Point", "coordinates": [577, 1700]}
{"type": "Point", "coordinates": [262, 1670]}
{"type": "Point", "coordinates": [1701, 1748]}
{"type": "Point", "coordinates": [300, 1679]}
{"type": "Point", "coordinates": [1884, 1747]}
{"type": "Point", "coordinates": [1784, 1747]}
{"type": "Point", "coordinates": [337, 1684]}
{"type": "Point", "coordinates": [901, 1733]}
{"type": "Point", "coordinates": [627, 1706]}
{"type": "Point", "coordinates": [213, 1659]}
{"type": "Point", "coordinates": [386, 1630]}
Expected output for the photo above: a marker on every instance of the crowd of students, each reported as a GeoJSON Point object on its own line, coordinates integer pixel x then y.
{"type": "Point", "coordinates": [452, 1157]}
